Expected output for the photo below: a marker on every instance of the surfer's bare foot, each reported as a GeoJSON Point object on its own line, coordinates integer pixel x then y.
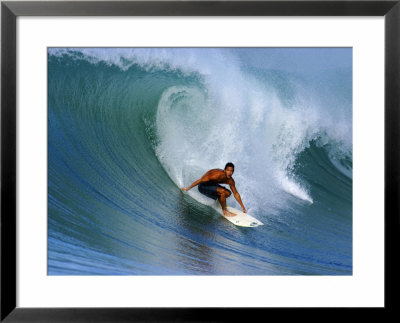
{"type": "Point", "coordinates": [227, 213]}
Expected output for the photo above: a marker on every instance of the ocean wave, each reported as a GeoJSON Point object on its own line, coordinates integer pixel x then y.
{"type": "Point", "coordinates": [129, 127]}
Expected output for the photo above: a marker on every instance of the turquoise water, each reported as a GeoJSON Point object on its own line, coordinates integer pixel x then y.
{"type": "Point", "coordinates": [128, 127]}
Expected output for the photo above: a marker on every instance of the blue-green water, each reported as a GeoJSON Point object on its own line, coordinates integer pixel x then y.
{"type": "Point", "coordinates": [128, 127]}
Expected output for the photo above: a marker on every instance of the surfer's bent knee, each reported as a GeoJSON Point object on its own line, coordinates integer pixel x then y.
{"type": "Point", "coordinates": [224, 191]}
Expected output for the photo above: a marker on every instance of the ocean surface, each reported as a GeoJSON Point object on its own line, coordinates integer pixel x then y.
{"type": "Point", "coordinates": [128, 127]}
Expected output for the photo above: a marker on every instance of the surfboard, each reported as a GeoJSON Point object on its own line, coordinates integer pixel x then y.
{"type": "Point", "coordinates": [240, 219]}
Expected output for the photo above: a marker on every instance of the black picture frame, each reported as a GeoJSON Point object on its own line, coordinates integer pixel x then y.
{"type": "Point", "coordinates": [10, 10]}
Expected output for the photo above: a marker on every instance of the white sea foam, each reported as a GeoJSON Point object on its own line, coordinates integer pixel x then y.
{"type": "Point", "coordinates": [238, 119]}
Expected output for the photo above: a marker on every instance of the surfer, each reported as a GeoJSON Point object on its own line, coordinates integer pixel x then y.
{"type": "Point", "coordinates": [208, 186]}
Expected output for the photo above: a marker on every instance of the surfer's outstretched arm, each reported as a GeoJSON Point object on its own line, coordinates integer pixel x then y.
{"type": "Point", "coordinates": [237, 196]}
{"type": "Point", "coordinates": [205, 178]}
{"type": "Point", "coordinates": [193, 185]}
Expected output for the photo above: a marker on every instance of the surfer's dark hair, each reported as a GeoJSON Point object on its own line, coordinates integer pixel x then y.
{"type": "Point", "coordinates": [229, 165]}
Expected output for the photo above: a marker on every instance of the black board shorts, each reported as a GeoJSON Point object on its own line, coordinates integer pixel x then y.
{"type": "Point", "coordinates": [209, 190]}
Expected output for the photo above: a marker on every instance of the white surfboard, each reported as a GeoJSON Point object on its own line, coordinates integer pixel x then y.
{"type": "Point", "coordinates": [240, 219]}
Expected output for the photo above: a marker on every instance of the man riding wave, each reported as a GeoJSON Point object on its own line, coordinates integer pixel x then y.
{"type": "Point", "coordinates": [209, 186]}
